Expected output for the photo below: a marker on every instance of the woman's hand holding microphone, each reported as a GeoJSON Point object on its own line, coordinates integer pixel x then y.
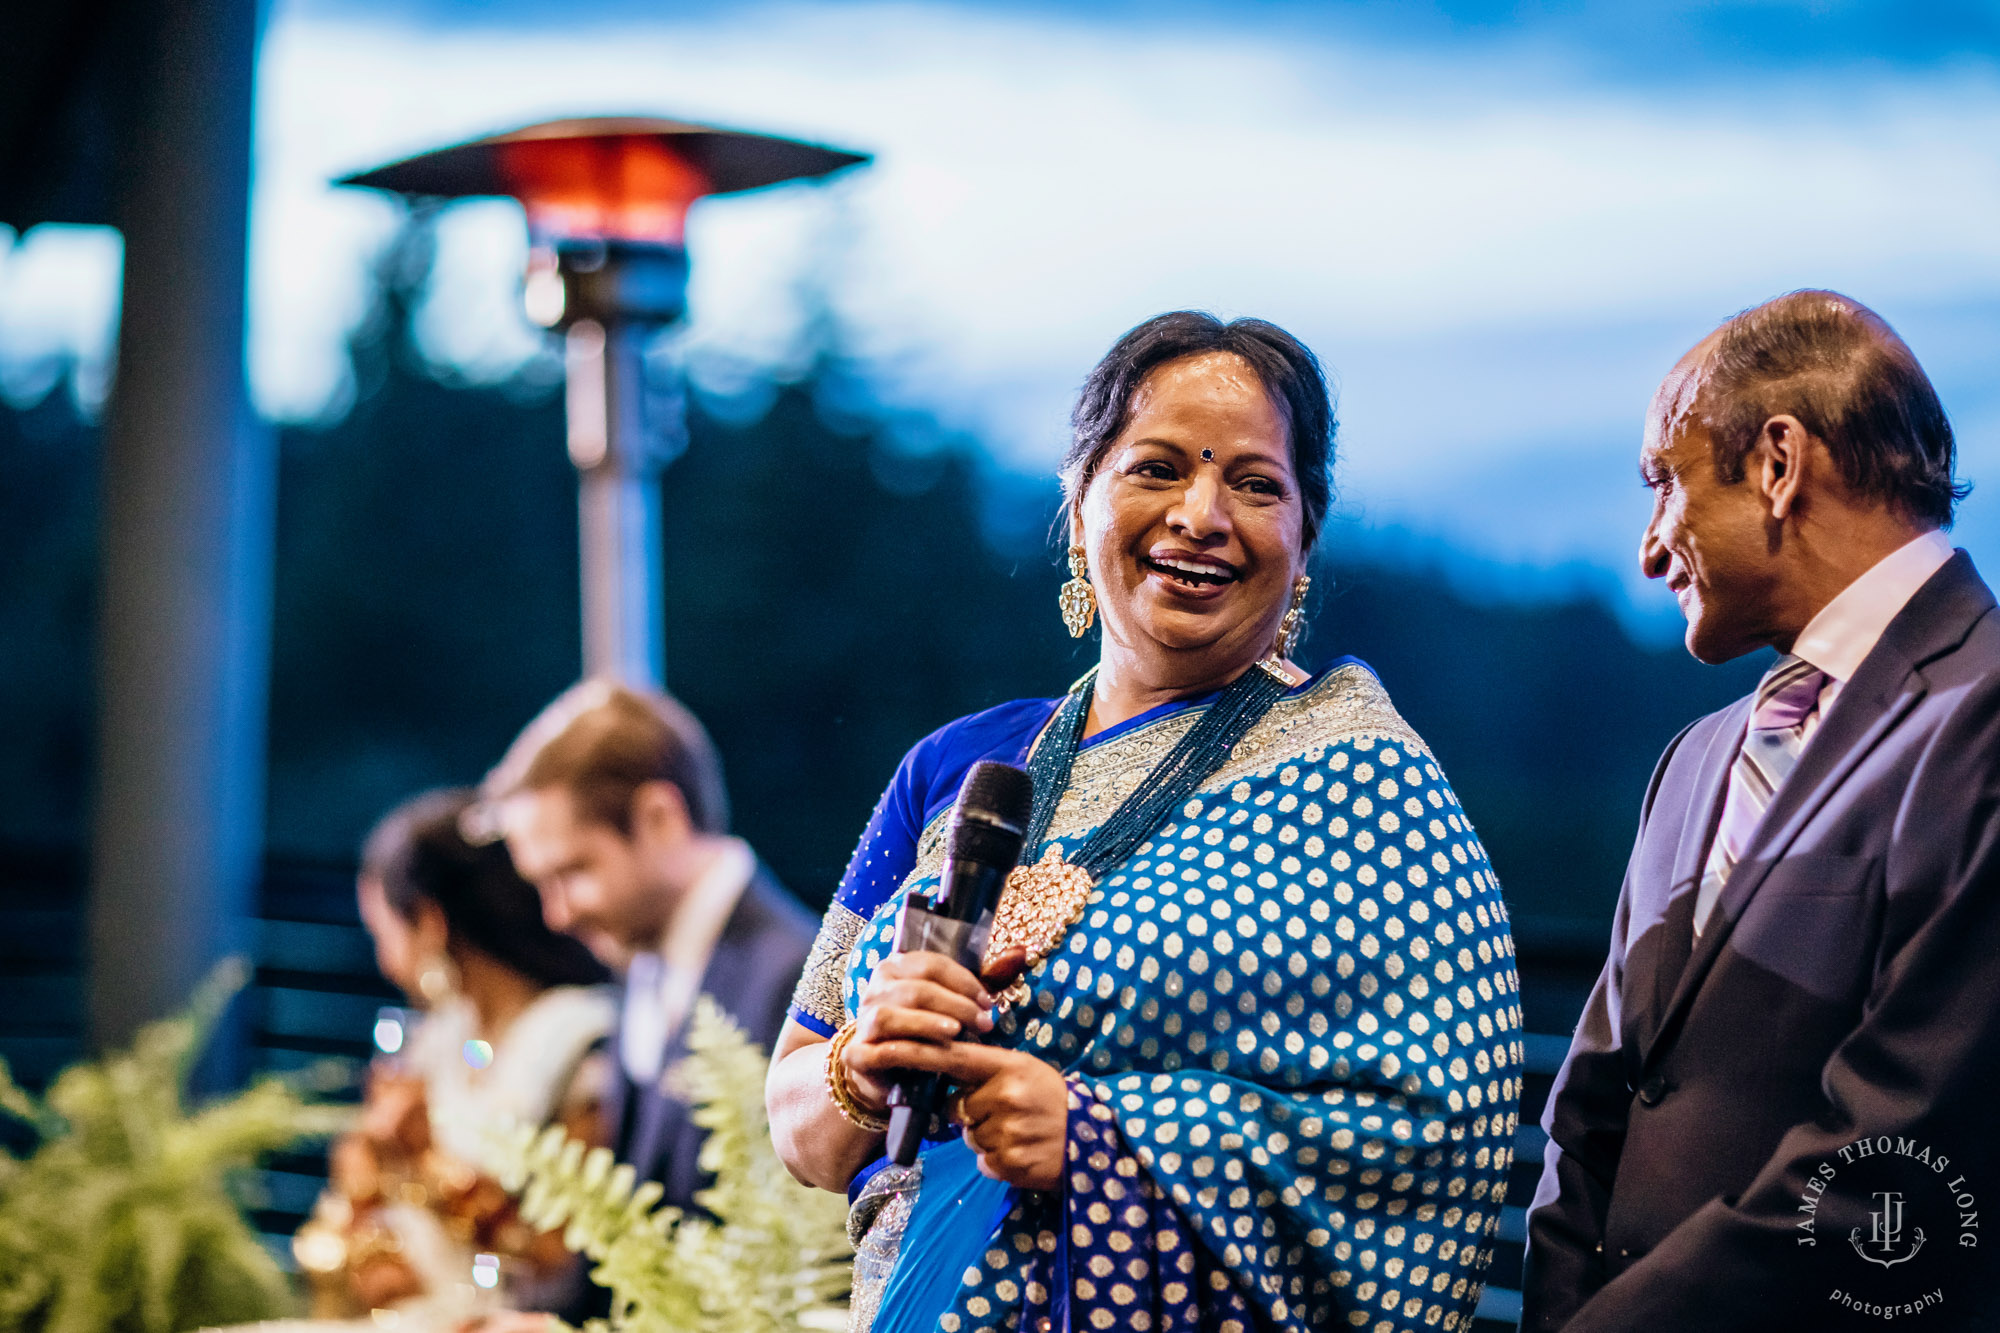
{"type": "Point", "coordinates": [915, 1012]}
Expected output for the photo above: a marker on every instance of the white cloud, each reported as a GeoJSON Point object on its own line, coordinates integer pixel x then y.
{"type": "Point", "coordinates": [1496, 254]}
{"type": "Point", "coordinates": [58, 309]}
{"type": "Point", "coordinates": [1043, 183]}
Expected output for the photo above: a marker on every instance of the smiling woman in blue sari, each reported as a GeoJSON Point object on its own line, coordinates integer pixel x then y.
{"type": "Point", "coordinates": [1246, 1053]}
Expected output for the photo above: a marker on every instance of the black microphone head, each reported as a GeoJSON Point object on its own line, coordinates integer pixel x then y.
{"type": "Point", "coordinates": [997, 793]}
{"type": "Point", "coordinates": [989, 823]}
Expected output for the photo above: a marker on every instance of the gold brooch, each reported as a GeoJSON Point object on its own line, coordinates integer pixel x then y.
{"type": "Point", "coordinates": [1037, 908]}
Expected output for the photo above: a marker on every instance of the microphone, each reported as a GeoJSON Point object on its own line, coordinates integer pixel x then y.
{"type": "Point", "coordinates": [988, 823]}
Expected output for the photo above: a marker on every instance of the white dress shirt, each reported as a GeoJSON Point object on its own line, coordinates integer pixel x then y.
{"type": "Point", "coordinates": [1847, 628]}
{"type": "Point", "coordinates": [661, 987]}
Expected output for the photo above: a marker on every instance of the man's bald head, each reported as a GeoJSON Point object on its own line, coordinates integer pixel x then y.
{"type": "Point", "coordinates": [1675, 401]}
{"type": "Point", "coordinates": [1841, 370]}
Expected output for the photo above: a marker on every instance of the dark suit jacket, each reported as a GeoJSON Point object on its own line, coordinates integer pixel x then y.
{"type": "Point", "coordinates": [756, 963]}
{"type": "Point", "coordinates": [1846, 986]}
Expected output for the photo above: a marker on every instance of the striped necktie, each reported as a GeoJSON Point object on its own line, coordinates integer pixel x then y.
{"type": "Point", "coordinates": [1787, 699]}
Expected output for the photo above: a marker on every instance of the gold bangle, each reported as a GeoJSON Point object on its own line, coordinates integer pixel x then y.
{"type": "Point", "coordinates": [841, 1092]}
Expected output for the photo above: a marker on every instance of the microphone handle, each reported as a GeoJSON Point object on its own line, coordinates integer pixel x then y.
{"type": "Point", "coordinates": [969, 892]}
{"type": "Point", "coordinates": [911, 1101]}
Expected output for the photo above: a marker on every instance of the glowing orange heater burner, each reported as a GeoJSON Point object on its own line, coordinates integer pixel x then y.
{"type": "Point", "coordinates": [607, 202]}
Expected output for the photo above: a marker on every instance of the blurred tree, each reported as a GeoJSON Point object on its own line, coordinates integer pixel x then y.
{"type": "Point", "coordinates": [426, 578]}
{"type": "Point", "coordinates": [831, 598]}
{"type": "Point", "coordinates": [48, 585]}
{"type": "Point", "coordinates": [1549, 719]}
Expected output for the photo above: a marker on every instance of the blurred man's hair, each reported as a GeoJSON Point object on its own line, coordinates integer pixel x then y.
{"type": "Point", "coordinates": [1841, 370]}
{"type": "Point", "coordinates": [601, 741]}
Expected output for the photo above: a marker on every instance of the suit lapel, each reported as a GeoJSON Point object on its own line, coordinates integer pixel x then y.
{"type": "Point", "coordinates": [1888, 685]}
{"type": "Point", "coordinates": [657, 1115]}
{"type": "Point", "coordinates": [733, 957]}
{"type": "Point", "coordinates": [1698, 823]}
{"type": "Point", "coordinates": [1851, 730]}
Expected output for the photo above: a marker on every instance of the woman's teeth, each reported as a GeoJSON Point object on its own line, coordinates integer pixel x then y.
{"type": "Point", "coordinates": [1193, 574]}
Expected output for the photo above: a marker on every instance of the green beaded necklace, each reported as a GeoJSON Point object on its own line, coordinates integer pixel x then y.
{"type": "Point", "coordinates": [1044, 899]}
{"type": "Point", "coordinates": [1198, 753]}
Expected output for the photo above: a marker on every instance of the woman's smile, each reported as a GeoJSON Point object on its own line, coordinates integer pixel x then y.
{"type": "Point", "coordinates": [1186, 574]}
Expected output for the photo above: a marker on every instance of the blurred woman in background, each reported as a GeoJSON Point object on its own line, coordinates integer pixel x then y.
{"type": "Point", "coordinates": [514, 1019]}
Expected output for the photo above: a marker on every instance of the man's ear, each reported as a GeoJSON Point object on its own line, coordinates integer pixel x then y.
{"type": "Point", "coordinates": [1784, 457]}
{"type": "Point", "coordinates": [660, 812]}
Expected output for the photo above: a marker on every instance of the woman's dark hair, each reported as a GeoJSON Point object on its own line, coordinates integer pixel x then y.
{"type": "Point", "coordinates": [419, 852]}
{"type": "Point", "coordinates": [1290, 373]}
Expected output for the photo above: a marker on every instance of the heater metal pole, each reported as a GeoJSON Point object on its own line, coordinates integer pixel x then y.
{"type": "Point", "coordinates": [617, 295]}
{"type": "Point", "coordinates": [618, 498]}
{"type": "Point", "coordinates": [606, 199]}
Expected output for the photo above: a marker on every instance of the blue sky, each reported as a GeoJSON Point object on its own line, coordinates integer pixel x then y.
{"type": "Point", "coordinates": [1629, 36]}
{"type": "Point", "coordinates": [1499, 224]}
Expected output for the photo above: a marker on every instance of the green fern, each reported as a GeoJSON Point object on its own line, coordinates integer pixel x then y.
{"type": "Point", "coordinates": [770, 1256]}
{"type": "Point", "coordinates": [122, 1219]}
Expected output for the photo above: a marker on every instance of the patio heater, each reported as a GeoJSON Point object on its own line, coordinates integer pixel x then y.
{"type": "Point", "coordinates": [607, 201]}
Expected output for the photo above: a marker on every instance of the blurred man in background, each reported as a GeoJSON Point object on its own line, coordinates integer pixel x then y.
{"type": "Point", "coordinates": [612, 804]}
{"type": "Point", "coordinates": [1779, 1103]}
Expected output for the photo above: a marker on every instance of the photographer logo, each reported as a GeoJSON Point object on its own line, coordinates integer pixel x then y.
{"type": "Point", "coordinates": [1908, 1219]}
{"type": "Point", "coordinates": [1885, 1236]}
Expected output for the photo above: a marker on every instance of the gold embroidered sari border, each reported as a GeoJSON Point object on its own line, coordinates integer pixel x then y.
{"type": "Point", "coordinates": [1343, 705]}
{"type": "Point", "coordinates": [821, 991]}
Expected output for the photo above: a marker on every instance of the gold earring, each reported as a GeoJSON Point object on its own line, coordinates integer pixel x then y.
{"type": "Point", "coordinates": [1077, 599]}
{"type": "Point", "coordinates": [434, 980]}
{"type": "Point", "coordinates": [1294, 621]}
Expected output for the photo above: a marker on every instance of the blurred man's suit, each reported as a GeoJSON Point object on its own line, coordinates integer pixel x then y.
{"type": "Point", "coordinates": [761, 937]}
{"type": "Point", "coordinates": [755, 963]}
{"type": "Point", "coordinates": [1846, 983]}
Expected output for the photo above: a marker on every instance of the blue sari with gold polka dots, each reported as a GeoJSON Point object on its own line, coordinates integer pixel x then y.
{"type": "Point", "coordinates": [1289, 1024]}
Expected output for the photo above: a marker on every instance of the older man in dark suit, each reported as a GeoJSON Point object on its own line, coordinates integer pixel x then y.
{"type": "Point", "coordinates": [1779, 1110]}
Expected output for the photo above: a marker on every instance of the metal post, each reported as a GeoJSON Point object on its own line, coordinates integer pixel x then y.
{"type": "Point", "coordinates": [189, 477]}
{"type": "Point", "coordinates": [606, 198]}
{"type": "Point", "coordinates": [618, 496]}
{"type": "Point", "coordinates": [616, 295]}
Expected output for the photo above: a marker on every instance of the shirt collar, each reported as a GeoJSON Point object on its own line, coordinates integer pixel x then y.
{"type": "Point", "coordinates": [1847, 628]}
{"type": "Point", "coordinates": [705, 906]}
